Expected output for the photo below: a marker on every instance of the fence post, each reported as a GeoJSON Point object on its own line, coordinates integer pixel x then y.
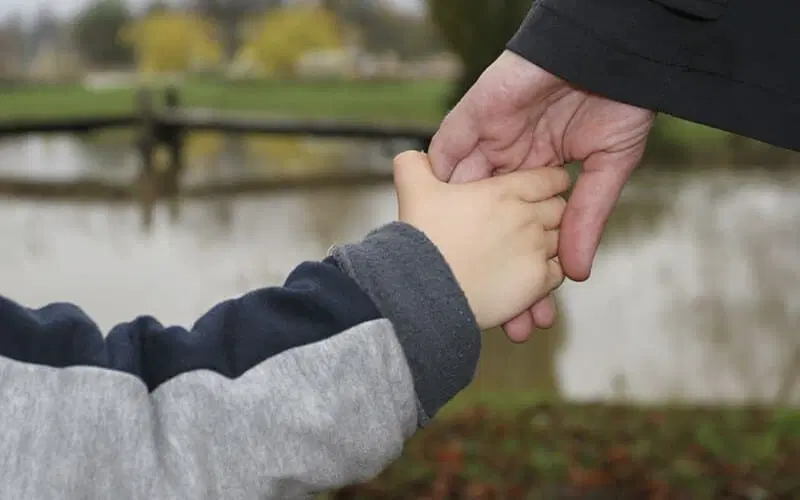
{"type": "Point", "coordinates": [147, 186]}
{"type": "Point", "coordinates": [174, 141]}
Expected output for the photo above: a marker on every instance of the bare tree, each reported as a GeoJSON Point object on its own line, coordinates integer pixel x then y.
{"type": "Point", "coordinates": [12, 44]}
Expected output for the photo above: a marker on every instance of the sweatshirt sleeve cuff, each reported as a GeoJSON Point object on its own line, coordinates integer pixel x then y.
{"type": "Point", "coordinates": [403, 272]}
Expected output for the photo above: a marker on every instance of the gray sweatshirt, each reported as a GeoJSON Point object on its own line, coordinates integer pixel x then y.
{"type": "Point", "coordinates": [281, 393]}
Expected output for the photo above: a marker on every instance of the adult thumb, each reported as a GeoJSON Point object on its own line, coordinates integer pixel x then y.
{"type": "Point", "coordinates": [413, 171]}
{"type": "Point", "coordinates": [589, 207]}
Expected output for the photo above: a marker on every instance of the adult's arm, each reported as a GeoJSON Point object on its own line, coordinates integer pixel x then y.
{"type": "Point", "coordinates": [729, 64]}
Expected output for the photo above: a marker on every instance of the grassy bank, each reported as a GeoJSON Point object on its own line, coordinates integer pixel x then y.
{"type": "Point", "coordinates": [675, 141]}
{"type": "Point", "coordinates": [575, 451]}
{"type": "Point", "coordinates": [393, 101]}
{"type": "Point", "coordinates": [396, 101]}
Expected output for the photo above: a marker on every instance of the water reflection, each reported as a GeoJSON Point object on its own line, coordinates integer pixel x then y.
{"type": "Point", "coordinates": [703, 307]}
{"type": "Point", "coordinates": [695, 293]}
{"type": "Point", "coordinates": [62, 158]}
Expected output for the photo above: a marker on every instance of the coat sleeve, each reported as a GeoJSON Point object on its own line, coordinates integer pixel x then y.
{"type": "Point", "coordinates": [281, 393]}
{"type": "Point", "coordinates": [722, 63]}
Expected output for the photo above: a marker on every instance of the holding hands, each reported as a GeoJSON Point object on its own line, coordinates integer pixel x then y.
{"type": "Point", "coordinates": [518, 116]}
{"type": "Point", "coordinates": [499, 236]}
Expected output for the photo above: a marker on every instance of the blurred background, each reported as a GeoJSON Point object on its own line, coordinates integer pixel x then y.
{"type": "Point", "coordinates": [695, 293]}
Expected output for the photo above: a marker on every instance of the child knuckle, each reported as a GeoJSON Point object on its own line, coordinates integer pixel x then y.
{"type": "Point", "coordinates": [561, 204]}
{"type": "Point", "coordinates": [563, 177]}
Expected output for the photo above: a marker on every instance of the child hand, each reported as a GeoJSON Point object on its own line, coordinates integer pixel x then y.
{"type": "Point", "coordinates": [499, 235]}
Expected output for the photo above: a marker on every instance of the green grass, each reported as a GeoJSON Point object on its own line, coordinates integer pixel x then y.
{"type": "Point", "coordinates": [676, 130]}
{"type": "Point", "coordinates": [376, 101]}
{"type": "Point", "coordinates": [395, 101]}
{"type": "Point", "coordinates": [398, 102]}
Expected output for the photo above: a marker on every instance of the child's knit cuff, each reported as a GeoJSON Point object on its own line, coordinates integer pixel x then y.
{"type": "Point", "coordinates": [412, 285]}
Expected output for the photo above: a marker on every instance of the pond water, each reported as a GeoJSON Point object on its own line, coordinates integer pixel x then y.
{"type": "Point", "coordinates": [695, 294]}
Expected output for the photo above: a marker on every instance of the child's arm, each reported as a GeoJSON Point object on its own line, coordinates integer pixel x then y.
{"type": "Point", "coordinates": [280, 393]}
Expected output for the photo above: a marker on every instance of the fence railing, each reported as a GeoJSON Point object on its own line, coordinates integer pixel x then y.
{"type": "Point", "coordinates": [166, 125]}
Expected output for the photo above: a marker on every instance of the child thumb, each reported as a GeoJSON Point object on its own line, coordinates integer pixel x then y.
{"type": "Point", "coordinates": [412, 170]}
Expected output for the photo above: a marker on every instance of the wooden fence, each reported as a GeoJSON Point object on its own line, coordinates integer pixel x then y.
{"type": "Point", "coordinates": [167, 125]}
{"type": "Point", "coordinates": [172, 120]}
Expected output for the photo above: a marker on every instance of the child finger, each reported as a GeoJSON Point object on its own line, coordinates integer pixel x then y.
{"type": "Point", "coordinates": [555, 275]}
{"type": "Point", "coordinates": [551, 243]}
{"type": "Point", "coordinates": [544, 313]}
{"type": "Point", "coordinates": [548, 213]}
{"type": "Point", "coordinates": [412, 168]}
{"type": "Point", "coordinates": [537, 184]}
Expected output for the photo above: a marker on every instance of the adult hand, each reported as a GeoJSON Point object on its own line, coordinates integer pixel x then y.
{"type": "Point", "coordinates": [519, 116]}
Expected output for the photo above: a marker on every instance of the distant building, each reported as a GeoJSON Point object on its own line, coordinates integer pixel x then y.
{"type": "Point", "coordinates": [105, 80]}
{"type": "Point", "coordinates": [444, 66]}
{"type": "Point", "coordinates": [352, 63]}
{"type": "Point", "coordinates": [331, 63]}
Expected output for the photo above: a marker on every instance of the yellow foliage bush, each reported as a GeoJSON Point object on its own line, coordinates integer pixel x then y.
{"type": "Point", "coordinates": [279, 39]}
{"type": "Point", "coordinates": [167, 42]}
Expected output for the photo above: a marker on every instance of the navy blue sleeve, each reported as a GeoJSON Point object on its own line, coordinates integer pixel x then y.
{"type": "Point", "coordinates": [317, 301]}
